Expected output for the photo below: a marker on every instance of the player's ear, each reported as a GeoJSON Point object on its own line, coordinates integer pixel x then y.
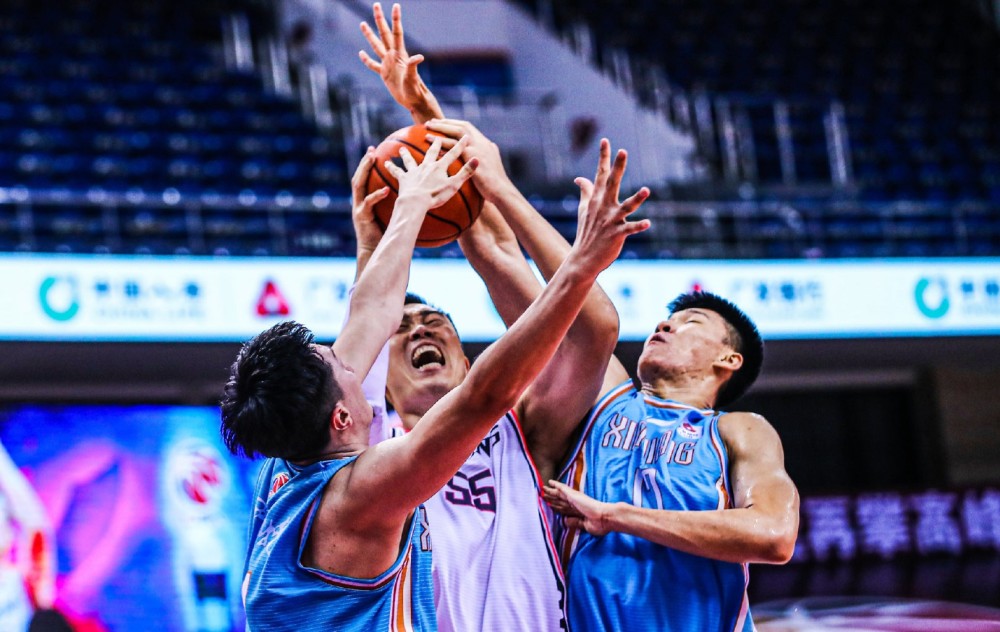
{"type": "Point", "coordinates": [731, 360]}
{"type": "Point", "coordinates": [341, 419]}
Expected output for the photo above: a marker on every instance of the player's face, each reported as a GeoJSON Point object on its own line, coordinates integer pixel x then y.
{"type": "Point", "coordinates": [426, 359]}
{"type": "Point", "coordinates": [687, 343]}
{"type": "Point", "coordinates": [350, 386]}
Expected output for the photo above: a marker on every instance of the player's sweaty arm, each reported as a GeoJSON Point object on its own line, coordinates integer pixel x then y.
{"type": "Point", "coordinates": [377, 303]}
{"type": "Point", "coordinates": [761, 527]}
{"type": "Point", "coordinates": [552, 407]}
{"type": "Point", "coordinates": [405, 471]}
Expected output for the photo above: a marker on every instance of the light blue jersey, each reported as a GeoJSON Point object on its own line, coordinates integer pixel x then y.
{"type": "Point", "coordinates": [657, 454]}
{"type": "Point", "coordinates": [281, 593]}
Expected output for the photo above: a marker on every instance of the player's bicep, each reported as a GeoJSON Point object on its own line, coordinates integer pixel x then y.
{"type": "Point", "coordinates": [757, 465]}
{"type": "Point", "coordinates": [553, 406]}
{"type": "Point", "coordinates": [390, 478]}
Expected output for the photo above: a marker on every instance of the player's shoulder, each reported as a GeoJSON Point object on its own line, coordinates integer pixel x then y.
{"type": "Point", "coordinates": [744, 428]}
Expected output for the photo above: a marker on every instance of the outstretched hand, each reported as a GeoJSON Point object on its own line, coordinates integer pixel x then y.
{"type": "Point", "coordinates": [428, 184]}
{"type": "Point", "coordinates": [491, 177]}
{"type": "Point", "coordinates": [602, 224]}
{"type": "Point", "coordinates": [396, 67]}
{"type": "Point", "coordinates": [580, 510]}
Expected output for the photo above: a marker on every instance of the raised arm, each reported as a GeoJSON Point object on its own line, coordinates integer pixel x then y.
{"type": "Point", "coordinates": [377, 303]}
{"type": "Point", "coordinates": [553, 406]}
{"type": "Point", "coordinates": [761, 527]}
{"type": "Point", "coordinates": [396, 67]}
{"type": "Point", "coordinates": [405, 471]}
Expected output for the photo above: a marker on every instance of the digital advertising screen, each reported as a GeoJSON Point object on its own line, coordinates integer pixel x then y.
{"type": "Point", "coordinates": [120, 518]}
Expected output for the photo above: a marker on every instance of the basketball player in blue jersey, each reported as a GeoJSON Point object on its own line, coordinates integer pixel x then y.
{"type": "Point", "coordinates": [338, 537]}
{"type": "Point", "coordinates": [667, 499]}
{"type": "Point", "coordinates": [495, 564]}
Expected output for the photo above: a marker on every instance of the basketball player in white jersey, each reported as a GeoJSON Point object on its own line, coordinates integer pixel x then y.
{"type": "Point", "coordinates": [495, 567]}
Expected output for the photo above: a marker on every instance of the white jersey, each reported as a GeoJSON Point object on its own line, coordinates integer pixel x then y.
{"type": "Point", "coordinates": [494, 561]}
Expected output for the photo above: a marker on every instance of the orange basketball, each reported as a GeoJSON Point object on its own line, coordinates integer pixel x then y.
{"type": "Point", "coordinates": [443, 224]}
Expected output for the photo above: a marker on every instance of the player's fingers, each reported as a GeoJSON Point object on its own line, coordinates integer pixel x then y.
{"type": "Point", "coordinates": [456, 122]}
{"type": "Point", "coordinates": [456, 150]}
{"type": "Point", "coordinates": [632, 204]}
{"type": "Point", "coordinates": [377, 47]}
{"type": "Point", "coordinates": [463, 174]}
{"type": "Point", "coordinates": [574, 523]}
{"type": "Point", "coordinates": [446, 127]}
{"type": "Point", "coordinates": [397, 28]}
{"type": "Point", "coordinates": [434, 150]}
{"type": "Point", "coordinates": [446, 142]}
{"type": "Point", "coordinates": [586, 187]}
{"type": "Point", "coordinates": [374, 198]}
{"type": "Point", "coordinates": [381, 24]}
{"type": "Point", "coordinates": [408, 160]}
{"type": "Point", "coordinates": [361, 174]}
{"type": "Point", "coordinates": [414, 61]}
{"type": "Point", "coordinates": [631, 228]}
{"type": "Point", "coordinates": [395, 170]}
{"type": "Point", "coordinates": [616, 175]}
{"type": "Point", "coordinates": [370, 63]}
{"type": "Point", "coordinates": [603, 164]}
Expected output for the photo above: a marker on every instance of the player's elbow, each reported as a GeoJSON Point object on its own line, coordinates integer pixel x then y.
{"type": "Point", "coordinates": [779, 545]}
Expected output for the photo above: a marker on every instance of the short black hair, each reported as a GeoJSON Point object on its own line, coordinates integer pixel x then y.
{"type": "Point", "coordinates": [416, 299]}
{"type": "Point", "coordinates": [279, 396]}
{"type": "Point", "coordinates": [743, 338]}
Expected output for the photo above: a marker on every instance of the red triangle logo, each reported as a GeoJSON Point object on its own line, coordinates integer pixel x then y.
{"type": "Point", "coordinates": [271, 301]}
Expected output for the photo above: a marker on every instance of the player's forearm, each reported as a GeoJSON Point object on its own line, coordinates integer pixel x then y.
{"type": "Point", "coordinates": [515, 360]}
{"type": "Point", "coordinates": [378, 295]}
{"type": "Point", "coordinates": [730, 535]}
{"type": "Point", "coordinates": [598, 322]}
{"type": "Point", "coordinates": [493, 252]}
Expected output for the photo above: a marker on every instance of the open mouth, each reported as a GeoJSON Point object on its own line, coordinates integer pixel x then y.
{"type": "Point", "coordinates": [427, 357]}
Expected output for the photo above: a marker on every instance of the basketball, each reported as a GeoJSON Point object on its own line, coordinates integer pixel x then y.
{"type": "Point", "coordinates": [443, 224]}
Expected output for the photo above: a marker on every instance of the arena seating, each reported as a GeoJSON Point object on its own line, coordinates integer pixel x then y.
{"type": "Point", "coordinates": [122, 131]}
{"type": "Point", "coordinates": [134, 97]}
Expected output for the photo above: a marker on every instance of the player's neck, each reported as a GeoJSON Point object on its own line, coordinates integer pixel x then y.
{"type": "Point", "coordinates": [696, 393]}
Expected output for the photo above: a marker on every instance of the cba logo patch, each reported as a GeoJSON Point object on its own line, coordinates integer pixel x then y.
{"type": "Point", "coordinates": [278, 482]}
{"type": "Point", "coordinates": [689, 431]}
{"type": "Point", "coordinates": [931, 296]}
{"type": "Point", "coordinates": [59, 297]}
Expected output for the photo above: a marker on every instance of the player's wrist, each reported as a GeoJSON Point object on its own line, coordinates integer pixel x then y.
{"type": "Point", "coordinates": [413, 203]}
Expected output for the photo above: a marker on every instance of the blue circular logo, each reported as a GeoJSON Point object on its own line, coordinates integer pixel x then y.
{"type": "Point", "coordinates": [931, 296]}
{"type": "Point", "coordinates": [59, 298]}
